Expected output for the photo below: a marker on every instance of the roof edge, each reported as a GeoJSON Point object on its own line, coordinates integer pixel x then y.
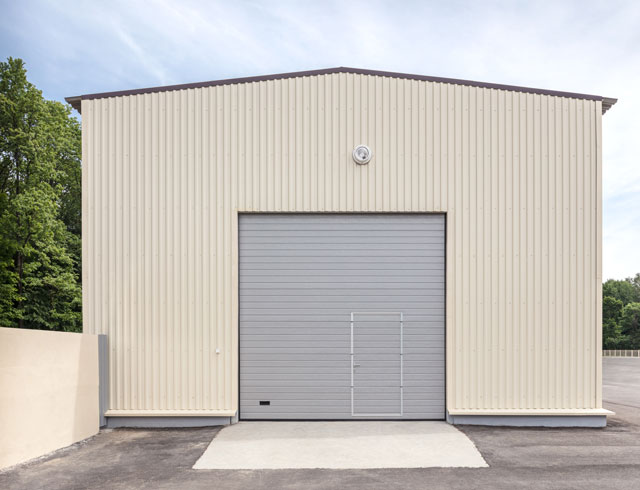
{"type": "Point", "coordinates": [608, 103]}
{"type": "Point", "coordinates": [75, 101]}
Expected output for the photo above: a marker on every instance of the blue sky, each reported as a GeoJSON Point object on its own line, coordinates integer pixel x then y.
{"type": "Point", "coordinates": [72, 48]}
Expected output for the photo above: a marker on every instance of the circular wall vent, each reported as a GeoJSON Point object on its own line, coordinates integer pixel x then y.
{"type": "Point", "coordinates": [362, 154]}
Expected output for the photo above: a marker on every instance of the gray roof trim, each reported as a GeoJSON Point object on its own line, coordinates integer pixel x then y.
{"type": "Point", "coordinates": [76, 100]}
{"type": "Point", "coordinates": [608, 103]}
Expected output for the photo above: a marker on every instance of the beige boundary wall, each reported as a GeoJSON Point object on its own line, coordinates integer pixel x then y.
{"type": "Point", "coordinates": [518, 175]}
{"type": "Point", "coordinates": [48, 392]}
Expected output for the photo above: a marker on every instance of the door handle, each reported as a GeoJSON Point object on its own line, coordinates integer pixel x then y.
{"type": "Point", "coordinates": [356, 365]}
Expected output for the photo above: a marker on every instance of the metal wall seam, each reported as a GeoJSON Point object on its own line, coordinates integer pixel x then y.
{"type": "Point", "coordinates": [598, 255]}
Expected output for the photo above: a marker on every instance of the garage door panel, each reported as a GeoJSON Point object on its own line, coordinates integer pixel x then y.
{"type": "Point", "coordinates": [302, 370]}
{"type": "Point", "coordinates": [333, 223]}
{"type": "Point", "coordinates": [336, 278]}
{"type": "Point", "coordinates": [252, 382]}
{"type": "Point", "coordinates": [425, 301]}
{"type": "Point", "coordinates": [344, 236]}
{"type": "Point", "coordinates": [374, 222]}
{"type": "Point", "coordinates": [314, 410]}
{"type": "Point", "coordinates": [284, 392]}
{"type": "Point", "coordinates": [300, 379]}
{"type": "Point", "coordinates": [326, 403]}
{"type": "Point", "coordinates": [305, 306]}
{"type": "Point", "coordinates": [305, 350]}
{"type": "Point", "coordinates": [253, 326]}
{"type": "Point", "coordinates": [316, 315]}
{"type": "Point", "coordinates": [417, 379]}
{"type": "Point", "coordinates": [323, 252]}
{"type": "Point", "coordinates": [295, 352]}
{"type": "Point", "coordinates": [385, 274]}
{"type": "Point", "coordinates": [347, 227]}
{"type": "Point", "coordinates": [301, 277]}
{"type": "Point", "coordinates": [264, 361]}
{"type": "Point", "coordinates": [256, 257]}
{"type": "Point", "coordinates": [269, 294]}
{"type": "Point", "coordinates": [320, 266]}
{"type": "Point", "coordinates": [308, 319]}
{"type": "Point", "coordinates": [305, 335]}
{"type": "Point", "coordinates": [345, 286]}
{"type": "Point", "coordinates": [340, 241]}
{"type": "Point", "coordinates": [275, 363]}
{"type": "Point", "coordinates": [421, 309]}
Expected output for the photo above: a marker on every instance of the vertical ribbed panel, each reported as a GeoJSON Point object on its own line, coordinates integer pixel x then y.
{"type": "Point", "coordinates": [517, 174]}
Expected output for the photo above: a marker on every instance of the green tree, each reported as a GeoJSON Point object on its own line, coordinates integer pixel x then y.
{"type": "Point", "coordinates": [612, 337]}
{"type": "Point", "coordinates": [630, 325]}
{"type": "Point", "coordinates": [611, 309]}
{"type": "Point", "coordinates": [635, 282]}
{"type": "Point", "coordinates": [39, 207]}
{"type": "Point", "coordinates": [624, 290]}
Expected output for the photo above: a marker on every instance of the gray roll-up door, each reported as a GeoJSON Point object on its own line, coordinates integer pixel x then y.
{"type": "Point", "coordinates": [342, 316]}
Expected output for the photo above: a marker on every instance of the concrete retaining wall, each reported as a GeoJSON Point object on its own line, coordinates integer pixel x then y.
{"type": "Point", "coordinates": [48, 392]}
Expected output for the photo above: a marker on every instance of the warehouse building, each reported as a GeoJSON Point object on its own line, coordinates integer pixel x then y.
{"type": "Point", "coordinates": [345, 244]}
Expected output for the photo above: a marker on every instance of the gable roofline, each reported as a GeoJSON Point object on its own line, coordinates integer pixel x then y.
{"type": "Point", "coordinates": [607, 102]}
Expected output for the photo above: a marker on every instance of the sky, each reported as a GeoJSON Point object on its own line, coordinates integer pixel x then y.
{"type": "Point", "coordinates": [73, 48]}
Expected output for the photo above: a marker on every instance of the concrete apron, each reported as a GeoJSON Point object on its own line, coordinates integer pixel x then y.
{"type": "Point", "coordinates": [339, 445]}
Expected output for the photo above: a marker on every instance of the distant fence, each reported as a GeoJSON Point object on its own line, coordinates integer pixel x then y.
{"type": "Point", "coordinates": [621, 353]}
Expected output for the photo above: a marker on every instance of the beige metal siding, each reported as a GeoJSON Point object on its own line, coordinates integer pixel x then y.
{"type": "Point", "coordinates": [518, 175]}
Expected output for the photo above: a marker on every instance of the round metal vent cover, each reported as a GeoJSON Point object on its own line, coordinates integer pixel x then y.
{"type": "Point", "coordinates": [362, 154]}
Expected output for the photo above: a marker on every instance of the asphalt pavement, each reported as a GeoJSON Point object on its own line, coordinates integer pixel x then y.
{"type": "Point", "coordinates": [532, 458]}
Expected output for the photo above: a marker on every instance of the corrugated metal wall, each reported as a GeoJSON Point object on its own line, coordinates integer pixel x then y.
{"type": "Point", "coordinates": [517, 174]}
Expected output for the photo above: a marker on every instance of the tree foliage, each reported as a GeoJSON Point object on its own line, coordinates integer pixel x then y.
{"type": "Point", "coordinates": [621, 313]}
{"type": "Point", "coordinates": [40, 145]}
{"type": "Point", "coordinates": [625, 290]}
{"type": "Point", "coordinates": [630, 324]}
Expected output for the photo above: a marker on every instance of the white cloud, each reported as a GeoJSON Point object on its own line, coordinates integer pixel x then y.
{"type": "Point", "coordinates": [589, 47]}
